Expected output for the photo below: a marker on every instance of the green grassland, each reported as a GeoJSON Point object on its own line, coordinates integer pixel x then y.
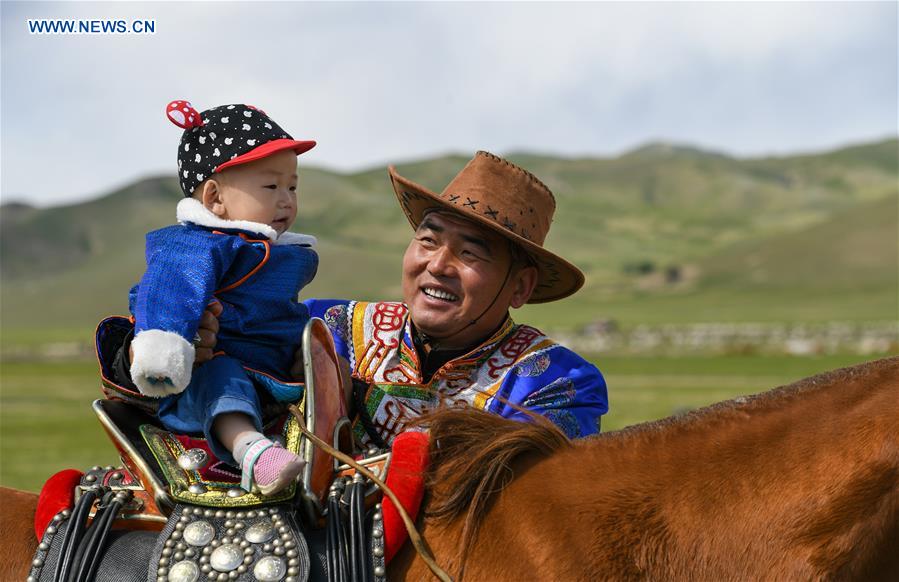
{"type": "Point", "coordinates": [46, 423]}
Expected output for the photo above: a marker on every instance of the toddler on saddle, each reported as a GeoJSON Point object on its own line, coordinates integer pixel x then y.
{"type": "Point", "coordinates": [238, 171]}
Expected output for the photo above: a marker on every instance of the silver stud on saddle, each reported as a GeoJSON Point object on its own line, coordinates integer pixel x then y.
{"type": "Point", "coordinates": [264, 544]}
{"type": "Point", "coordinates": [193, 459]}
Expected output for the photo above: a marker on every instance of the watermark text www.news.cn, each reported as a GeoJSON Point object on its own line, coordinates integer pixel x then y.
{"type": "Point", "coordinates": [91, 26]}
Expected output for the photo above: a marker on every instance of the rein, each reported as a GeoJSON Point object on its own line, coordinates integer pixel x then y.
{"type": "Point", "coordinates": [414, 536]}
{"type": "Point", "coordinates": [83, 544]}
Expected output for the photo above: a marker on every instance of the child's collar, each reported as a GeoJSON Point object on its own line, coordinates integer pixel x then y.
{"type": "Point", "coordinates": [192, 210]}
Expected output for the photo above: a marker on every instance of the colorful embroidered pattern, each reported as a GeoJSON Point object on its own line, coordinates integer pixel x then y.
{"type": "Point", "coordinates": [381, 353]}
{"type": "Point", "coordinates": [533, 365]}
{"type": "Point", "coordinates": [565, 420]}
{"type": "Point", "coordinates": [557, 394]}
{"type": "Point", "coordinates": [336, 319]}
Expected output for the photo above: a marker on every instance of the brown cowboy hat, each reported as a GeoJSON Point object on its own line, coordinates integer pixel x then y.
{"type": "Point", "coordinates": [509, 200]}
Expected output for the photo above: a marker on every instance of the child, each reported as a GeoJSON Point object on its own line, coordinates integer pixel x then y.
{"type": "Point", "coordinates": [238, 172]}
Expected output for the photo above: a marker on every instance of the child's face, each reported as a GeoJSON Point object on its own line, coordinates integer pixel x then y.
{"type": "Point", "coordinates": [263, 191]}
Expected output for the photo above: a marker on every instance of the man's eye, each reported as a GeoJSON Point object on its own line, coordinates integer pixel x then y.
{"type": "Point", "coordinates": [472, 255]}
{"type": "Point", "coordinates": [271, 186]}
{"type": "Point", "coordinates": [293, 188]}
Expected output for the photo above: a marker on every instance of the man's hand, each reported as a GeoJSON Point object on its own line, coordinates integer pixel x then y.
{"type": "Point", "coordinates": [207, 332]}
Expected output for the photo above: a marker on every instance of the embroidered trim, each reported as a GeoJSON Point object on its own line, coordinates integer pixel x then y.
{"type": "Point", "coordinates": [356, 319]}
{"type": "Point", "coordinates": [485, 399]}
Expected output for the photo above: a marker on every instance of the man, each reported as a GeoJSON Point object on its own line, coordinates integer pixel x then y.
{"type": "Point", "coordinates": [477, 251]}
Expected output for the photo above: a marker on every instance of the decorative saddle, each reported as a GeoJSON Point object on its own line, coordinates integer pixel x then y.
{"type": "Point", "coordinates": [172, 511]}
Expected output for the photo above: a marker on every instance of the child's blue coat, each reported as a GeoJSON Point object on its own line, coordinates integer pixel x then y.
{"type": "Point", "coordinates": [256, 281]}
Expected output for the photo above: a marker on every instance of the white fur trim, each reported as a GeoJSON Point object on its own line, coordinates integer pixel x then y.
{"type": "Point", "coordinates": [192, 210]}
{"type": "Point", "coordinates": [296, 238]}
{"type": "Point", "coordinates": [161, 354]}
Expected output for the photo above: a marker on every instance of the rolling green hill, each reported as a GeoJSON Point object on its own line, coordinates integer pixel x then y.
{"type": "Point", "coordinates": [845, 268]}
{"type": "Point", "coordinates": [664, 233]}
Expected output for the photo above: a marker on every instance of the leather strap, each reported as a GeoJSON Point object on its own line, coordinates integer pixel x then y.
{"type": "Point", "coordinates": [95, 542]}
{"type": "Point", "coordinates": [73, 535]}
{"type": "Point", "coordinates": [336, 546]}
{"type": "Point", "coordinates": [359, 559]}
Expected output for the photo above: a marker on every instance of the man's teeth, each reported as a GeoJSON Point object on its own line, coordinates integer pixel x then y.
{"type": "Point", "coordinates": [440, 294]}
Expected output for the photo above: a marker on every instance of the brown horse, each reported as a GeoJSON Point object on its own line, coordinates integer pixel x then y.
{"type": "Point", "coordinates": [799, 483]}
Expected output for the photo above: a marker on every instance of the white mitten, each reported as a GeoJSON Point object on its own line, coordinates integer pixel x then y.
{"type": "Point", "coordinates": [162, 362]}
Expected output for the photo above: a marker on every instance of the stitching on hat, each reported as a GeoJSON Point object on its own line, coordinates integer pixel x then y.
{"type": "Point", "coordinates": [527, 174]}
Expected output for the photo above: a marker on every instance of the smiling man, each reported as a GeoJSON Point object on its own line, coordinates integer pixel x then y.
{"type": "Point", "coordinates": [476, 252]}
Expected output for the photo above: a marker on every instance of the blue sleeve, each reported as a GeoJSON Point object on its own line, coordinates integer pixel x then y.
{"type": "Point", "coordinates": [335, 313]}
{"type": "Point", "coordinates": [184, 266]}
{"type": "Point", "coordinates": [558, 384]}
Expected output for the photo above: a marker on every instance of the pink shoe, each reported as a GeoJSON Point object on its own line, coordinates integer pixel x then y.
{"type": "Point", "coordinates": [270, 466]}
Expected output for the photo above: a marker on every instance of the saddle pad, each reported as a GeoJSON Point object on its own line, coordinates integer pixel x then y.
{"type": "Point", "coordinates": [195, 476]}
{"type": "Point", "coordinates": [125, 558]}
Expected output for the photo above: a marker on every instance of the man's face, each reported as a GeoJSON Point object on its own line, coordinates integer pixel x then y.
{"type": "Point", "coordinates": [452, 271]}
{"type": "Point", "coordinates": [263, 191]}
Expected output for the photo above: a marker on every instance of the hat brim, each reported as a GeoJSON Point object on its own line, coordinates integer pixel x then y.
{"type": "Point", "coordinates": [557, 278]}
{"type": "Point", "coordinates": [267, 149]}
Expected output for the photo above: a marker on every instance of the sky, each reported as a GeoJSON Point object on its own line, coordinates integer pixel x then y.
{"type": "Point", "coordinates": [378, 83]}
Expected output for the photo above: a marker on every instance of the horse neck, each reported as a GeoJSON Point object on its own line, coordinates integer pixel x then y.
{"type": "Point", "coordinates": [814, 465]}
{"type": "Point", "coordinates": [798, 483]}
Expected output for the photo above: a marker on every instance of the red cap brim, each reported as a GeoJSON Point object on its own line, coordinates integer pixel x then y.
{"type": "Point", "coordinates": [267, 149]}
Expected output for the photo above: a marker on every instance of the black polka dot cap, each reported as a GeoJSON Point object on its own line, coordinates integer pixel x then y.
{"type": "Point", "coordinates": [225, 136]}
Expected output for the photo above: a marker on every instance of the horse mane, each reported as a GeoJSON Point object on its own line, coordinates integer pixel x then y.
{"type": "Point", "coordinates": [471, 456]}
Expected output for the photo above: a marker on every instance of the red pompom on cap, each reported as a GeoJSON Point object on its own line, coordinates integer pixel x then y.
{"type": "Point", "coordinates": [183, 114]}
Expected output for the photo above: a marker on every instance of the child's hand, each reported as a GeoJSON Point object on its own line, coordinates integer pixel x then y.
{"type": "Point", "coordinates": [209, 328]}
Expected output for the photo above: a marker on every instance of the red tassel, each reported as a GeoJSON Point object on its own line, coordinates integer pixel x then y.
{"type": "Point", "coordinates": [57, 494]}
{"type": "Point", "coordinates": [406, 477]}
